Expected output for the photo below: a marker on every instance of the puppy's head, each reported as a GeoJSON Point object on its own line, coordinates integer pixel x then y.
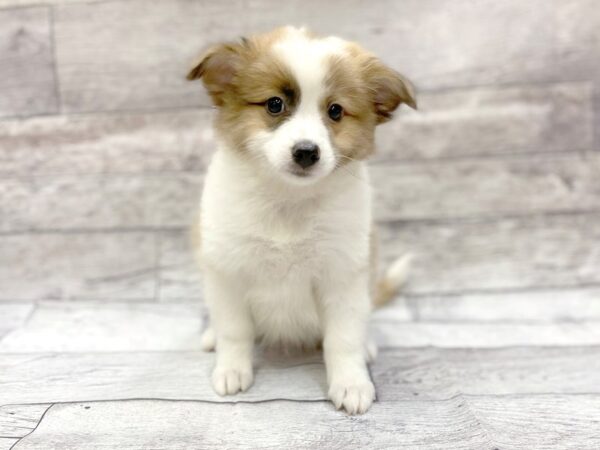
{"type": "Point", "coordinates": [300, 105]}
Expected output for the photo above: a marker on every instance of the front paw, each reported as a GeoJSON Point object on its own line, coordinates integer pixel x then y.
{"type": "Point", "coordinates": [231, 380]}
{"type": "Point", "coordinates": [354, 397]}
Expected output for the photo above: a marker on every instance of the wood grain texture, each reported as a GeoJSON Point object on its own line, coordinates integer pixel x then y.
{"type": "Point", "coordinates": [435, 373]}
{"type": "Point", "coordinates": [483, 335]}
{"type": "Point", "coordinates": [7, 443]}
{"type": "Point", "coordinates": [99, 202]}
{"type": "Point", "coordinates": [78, 265]}
{"type": "Point", "coordinates": [491, 120]}
{"type": "Point", "coordinates": [469, 122]}
{"type": "Point", "coordinates": [108, 327]}
{"type": "Point", "coordinates": [498, 254]}
{"type": "Point", "coordinates": [278, 424]}
{"type": "Point", "coordinates": [399, 374]}
{"type": "Point", "coordinates": [17, 421]}
{"type": "Point", "coordinates": [553, 305]}
{"type": "Point", "coordinates": [141, 64]}
{"type": "Point", "coordinates": [12, 315]}
{"type": "Point", "coordinates": [472, 188]}
{"type": "Point", "coordinates": [83, 376]}
{"type": "Point", "coordinates": [27, 84]}
{"type": "Point", "coordinates": [179, 275]}
{"type": "Point", "coordinates": [129, 143]}
{"type": "Point", "coordinates": [487, 187]}
{"type": "Point", "coordinates": [541, 422]}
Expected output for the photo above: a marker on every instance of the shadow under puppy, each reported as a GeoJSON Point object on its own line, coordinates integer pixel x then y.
{"type": "Point", "coordinates": [285, 236]}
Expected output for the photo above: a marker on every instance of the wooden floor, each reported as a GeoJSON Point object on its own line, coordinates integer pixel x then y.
{"type": "Point", "coordinates": [494, 185]}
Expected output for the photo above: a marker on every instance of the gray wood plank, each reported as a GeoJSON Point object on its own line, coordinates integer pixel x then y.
{"type": "Point", "coordinates": [411, 191]}
{"type": "Point", "coordinates": [27, 84]}
{"type": "Point", "coordinates": [553, 305]}
{"type": "Point", "coordinates": [106, 327]}
{"type": "Point", "coordinates": [487, 187]}
{"type": "Point", "coordinates": [434, 373]}
{"type": "Point", "coordinates": [7, 443]}
{"type": "Point", "coordinates": [278, 424]}
{"type": "Point", "coordinates": [99, 202]}
{"type": "Point", "coordinates": [171, 375]}
{"type": "Point", "coordinates": [491, 120]}
{"type": "Point", "coordinates": [179, 275]}
{"type": "Point", "coordinates": [490, 42]}
{"type": "Point", "coordinates": [107, 143]}
{"type": "Point", "coordinates": [156, 46]}
{"type": "Point", "coordinates": [498, 254]}
{"type": "Point", "coordinates": [12, 315]}
{"type": "Point", "coordinates": [469, 122]}
{"type": "Point", "coordinates": [484, 335]}
{"type": "Point", "coordinates": [17, 421]}
{"type": "Point", "coordinates": [541, 422]}
{"type": "Point", "coordinates": [78, 265]}
{"type": "Point", "coordinates": [400, 374]}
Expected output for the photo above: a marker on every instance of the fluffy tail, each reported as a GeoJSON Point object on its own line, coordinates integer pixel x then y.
{"type": "Point", "coordinates": [395, 276]}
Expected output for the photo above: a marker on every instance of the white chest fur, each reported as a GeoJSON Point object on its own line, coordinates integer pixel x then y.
{"type": "Point", "coordinates": [281, 244]}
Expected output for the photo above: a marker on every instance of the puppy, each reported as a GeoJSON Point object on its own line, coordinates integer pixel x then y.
{"type": "Point", "coordinates": [285, 235]}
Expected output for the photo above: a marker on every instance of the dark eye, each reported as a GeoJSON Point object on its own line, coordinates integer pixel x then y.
{"type": "Point", "coordinates": [335, 111]}
{"type": "Point", "coordinates": [275, 106]}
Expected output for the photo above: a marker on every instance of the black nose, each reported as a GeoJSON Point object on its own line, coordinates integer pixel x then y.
{"type": "Point", "coordinates": [305, 153]}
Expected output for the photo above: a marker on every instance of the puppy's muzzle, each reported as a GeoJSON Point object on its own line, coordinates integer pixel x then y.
{"type": "Point", "coordinates": [305, 153]}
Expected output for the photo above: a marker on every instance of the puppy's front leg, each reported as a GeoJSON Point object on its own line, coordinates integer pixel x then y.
{"type": "Point", "coordinates": [232, 322]}
{"type": "Point", "coordinates": [345, 312]}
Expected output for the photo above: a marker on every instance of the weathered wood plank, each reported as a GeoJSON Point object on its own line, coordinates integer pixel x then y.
{"type": "Point", "coordinates": [107, 327]}
{"type": "Point", "coordinates": [491, 121]}
{"type": "Point", "coordinates": [509, 253]}
{"type": "Point", "coordinates": [434, 373]}
{"type": "Point", "coordinates": [483, 187]}
{"type": "Point", "coordinates": [425, 190]}
{"type": "Point", "coordinates": [399, 374]}
{"type": "Point", "coordinates": [97, 201]}
{"type": "Point", "coordinates": [140, 62]}
{"type": "Point", "coordinates": [484, 335]}
{"type": "Point", "coordinates": [279, 424]}
{"type": "Point", "coordinates": [556, 305]}
{"type": "Point", "coordinates": [541, 422]}
{"type": "Point", "coordinates": [78, 265]}
{"type": "Point", "coordinates": [17, 421]}
{"type": "Point", "coordinates": [7, 443]}
{"type": "Point", "coordinates": [507, 42]}
{"type": "Point", "coordinates": [107, 143]}
{"type": "Point", "coordinates": [469, 122]}
{"type": "Point", "coordinates": [12, 315]}
{"type": "Point", "coordinates": [456, 259]}
{"type": "Point", "coordinates": [27, 84]}
{"type": "Point", "coordinates": [164, 375]}
{"type": "Point", "coordinates": [179, 275]}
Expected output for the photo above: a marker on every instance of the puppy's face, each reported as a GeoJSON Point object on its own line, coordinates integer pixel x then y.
{"type": "Point", "coordinates": [298, 105]}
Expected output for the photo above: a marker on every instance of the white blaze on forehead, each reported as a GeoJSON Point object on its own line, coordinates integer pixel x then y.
{"type": "Point", "coordinates": [307, 57]}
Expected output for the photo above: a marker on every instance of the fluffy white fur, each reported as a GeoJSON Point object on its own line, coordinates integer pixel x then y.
{"type": "Point", "coordinates": [286, 258]}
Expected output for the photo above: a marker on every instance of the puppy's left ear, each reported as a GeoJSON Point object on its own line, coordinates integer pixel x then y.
{"type": "Point", "coordinates": [217, 68]}
{"type": "Point", "coordinates": [390, 90]}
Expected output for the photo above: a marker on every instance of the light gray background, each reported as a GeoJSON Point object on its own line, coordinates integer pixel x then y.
{"type": "Point", "coordinates": [494, 185]}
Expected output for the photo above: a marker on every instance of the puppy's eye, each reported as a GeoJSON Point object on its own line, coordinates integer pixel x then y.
{"type": "Point", "coordinates": [335, 111]}
{"type": "Point", "coordinates": [275, 106]}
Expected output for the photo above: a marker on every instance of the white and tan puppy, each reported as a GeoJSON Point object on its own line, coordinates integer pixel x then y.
{"type": "Point", "coordinates": [285, 231]}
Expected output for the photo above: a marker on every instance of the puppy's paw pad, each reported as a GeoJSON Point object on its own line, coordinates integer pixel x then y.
{"type": "Point", "coordinates": [229, 381]}
{"type": "Point", "coordinates": [208, 340]}
{"type": "Point", "coordinates": [355, 398]}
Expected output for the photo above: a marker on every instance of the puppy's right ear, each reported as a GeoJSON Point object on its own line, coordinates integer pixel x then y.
{"type": "Point", "coordinates": [217, 68]}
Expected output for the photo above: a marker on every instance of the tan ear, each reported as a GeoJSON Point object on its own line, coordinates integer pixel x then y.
{"type": "Point", "coordinates": [390, 90]}
{"type": "Point", "coordinates": [217, 68]}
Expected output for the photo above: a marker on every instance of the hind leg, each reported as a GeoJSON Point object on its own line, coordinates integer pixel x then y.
{"type": "Point", "coordinates": [208, 340]}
